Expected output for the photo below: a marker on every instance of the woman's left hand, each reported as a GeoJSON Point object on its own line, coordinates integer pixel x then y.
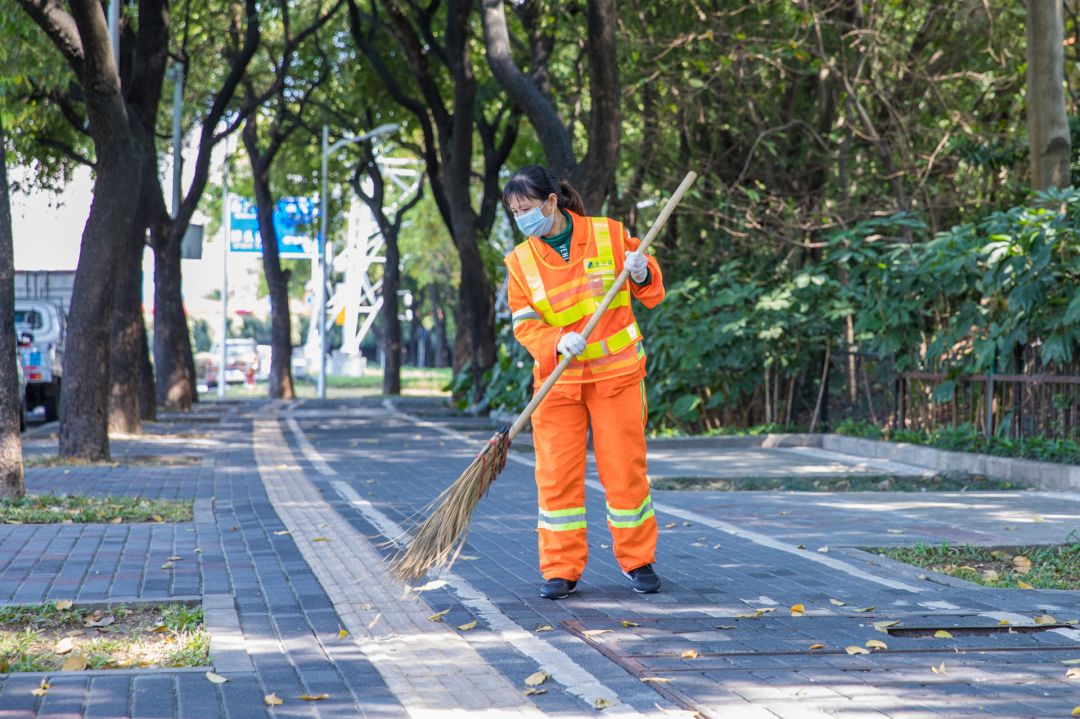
{"type": "Point", "coordinates": [638, 266]}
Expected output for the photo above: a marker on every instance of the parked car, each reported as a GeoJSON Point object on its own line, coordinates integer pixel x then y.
{"type": "Point", "coordinates": [265, 352]}
{"type": "Point", "coordinates": [241, 361]}
{"type": "Point", "coordinates": [22, 396]}
{"type": "Point", "coordinates": [42, 328]}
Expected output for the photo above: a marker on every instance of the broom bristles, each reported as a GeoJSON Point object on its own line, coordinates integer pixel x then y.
{"type": "Point", "coordinates": [439, 539]}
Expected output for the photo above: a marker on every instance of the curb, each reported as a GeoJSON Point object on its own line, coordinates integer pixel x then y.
{"type": "Point", "coordinates": [1044, 475]}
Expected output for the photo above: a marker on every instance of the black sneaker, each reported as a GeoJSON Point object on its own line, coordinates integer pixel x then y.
{"type": "Point", "coordinates": [643, 580]}
{"type": "Point", "coordinates": [557, 588]}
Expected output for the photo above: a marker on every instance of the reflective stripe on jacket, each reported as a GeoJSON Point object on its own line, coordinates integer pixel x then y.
{"type": "Point", "coordinates": [550, 297]}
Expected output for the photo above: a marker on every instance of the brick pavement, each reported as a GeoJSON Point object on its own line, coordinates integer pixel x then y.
{"type": "Point", "coordinates": [278, 598]}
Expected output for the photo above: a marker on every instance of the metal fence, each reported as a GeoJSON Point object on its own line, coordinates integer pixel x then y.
{"type": "Point", "coordinates": [1032, 399]}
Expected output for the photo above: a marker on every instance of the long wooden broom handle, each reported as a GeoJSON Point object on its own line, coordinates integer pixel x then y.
{"type": "Point", "coordinates": [672, 203]}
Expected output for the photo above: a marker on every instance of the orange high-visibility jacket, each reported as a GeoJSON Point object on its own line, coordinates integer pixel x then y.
{"type": "Point", "coordinates": [550, 297]}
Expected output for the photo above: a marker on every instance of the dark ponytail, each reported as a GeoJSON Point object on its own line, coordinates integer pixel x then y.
{"type": "Point", "coordinates": [538, 183]}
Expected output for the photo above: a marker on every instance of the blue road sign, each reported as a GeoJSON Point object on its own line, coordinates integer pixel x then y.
{"type": "Point", "coordinates": [295, 221]}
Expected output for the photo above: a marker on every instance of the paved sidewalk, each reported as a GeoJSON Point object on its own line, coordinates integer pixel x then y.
{"type": "Point", "coordinates": [297, 505]}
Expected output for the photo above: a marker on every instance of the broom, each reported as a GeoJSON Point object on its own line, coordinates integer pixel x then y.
{"type": "Point", "coordinates": [438, 541]}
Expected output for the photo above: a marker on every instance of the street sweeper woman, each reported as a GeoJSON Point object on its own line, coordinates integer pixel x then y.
{"type": "Point", "coordinates": [558, 277]}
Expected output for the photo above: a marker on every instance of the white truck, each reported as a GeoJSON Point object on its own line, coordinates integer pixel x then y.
{"type": "Point", "coordinates": [42, 299]}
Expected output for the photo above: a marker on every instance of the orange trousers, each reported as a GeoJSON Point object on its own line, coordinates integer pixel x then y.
{"type": "Point", "coordinates": [616, 411]}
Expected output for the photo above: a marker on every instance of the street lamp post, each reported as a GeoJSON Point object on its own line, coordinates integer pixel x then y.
{"type": "Point", "coordinates": [323, 273]}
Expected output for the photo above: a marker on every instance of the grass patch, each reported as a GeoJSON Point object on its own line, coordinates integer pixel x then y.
{"type": "Point", "coordinates": [1051, 567]}
{"type": "Point", "coordinates": [43, 638]}
{"type": "Point", "coordinates": [72, 509]}
{"type": "Point", "coordinates": [836, 483]}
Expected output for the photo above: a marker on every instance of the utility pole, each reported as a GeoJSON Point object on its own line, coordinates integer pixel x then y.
{"type": "Point", "coordinates": [226, 227]}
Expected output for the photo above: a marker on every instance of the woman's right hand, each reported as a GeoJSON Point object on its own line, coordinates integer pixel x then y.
{"type": "Point", "coordinates": [571, 343]}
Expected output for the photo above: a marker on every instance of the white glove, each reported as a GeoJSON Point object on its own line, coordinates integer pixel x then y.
{"type": "Point", "coordinates": [638, 266]}
{"type": "Point", "coordinates": [571, 343]}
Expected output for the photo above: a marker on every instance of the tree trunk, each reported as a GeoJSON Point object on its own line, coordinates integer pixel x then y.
{"type": "Point", "coordinates": [125, 377]}
{"type": "Point", "coordinates": [442, 344]}
{"type": "Point", "coordinates": [147, 393]}
{"type": "Point", "coordinates": [391, 324]}
{"type": "Point", "coordinates": [85, 390]}
{"type": "Point", "coordinates": [11, 462]}
{"type": "Point", "coordinates": [277, 281]}
{"type": "Point", "coordinates": [173, 363]}
{"type": "Point", "coordinates": [476, 297]}
{"type": "Point", "coordinates": [1048, 125]}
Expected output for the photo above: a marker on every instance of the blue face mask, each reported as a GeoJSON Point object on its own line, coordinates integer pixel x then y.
{"type": "Point", "coordinates": [535, 222]}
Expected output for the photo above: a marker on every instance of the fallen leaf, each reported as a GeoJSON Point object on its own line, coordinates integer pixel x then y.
{"type": "Point", "coordinates": [626, 623]}
{"type": "Point", "coordinates": [863, 609]}
{"type": "Point", "coordinates": [747, 616]}
{"type": "Point", "coordinates": [537, 678]}
{"type": "Point", "coordinates": [374, 621]}
{"type": "Point", "coordinates": [104, 622]}
{"type": "Point", "coordinates": [876, 644]}
{"type": "Point", "coordinates": [175, 559]}
{"type": "Point", "coordinates": [1021, 564]}
{"type": "Point", "coordinates": [800, 546]}
{"type": "Point", "coordinates": [766, 610]}
{"type": "Point", "coordinates": [725, 626]}
{"type": "Point", "coordinates": [999, 554]}
{"type": "Point", "coordinates": [74, 663]}
{"type": "Point", "coordinates": [467, 558]}
{"type": "Point", "coordinates": [716, 546]}
{"type": "Point", "coordinates": [533, 690]}
{"type": "Point", "coordinates": [167, 565]}
{"type": "Point", "coordinates": [690, 654]}
{"type": "Point", "coordinates": [656, 680]}
{"type": "Point", "coordinates": [1073, 673]}
{"type": "Point", "coordinates": [671, 525]}
{"type": "Point", "coordinates": [798, 610]}
{"type": "Point", "coordinates": [438, 616]}
{"type": "Point", "coordinates": [272, 700]}
{"type": "Point", "coordinates": [990, 575]}
{"type": "Point", "coordinates": [1070, 661]}
{"type": "Point", "coordinates": [856, 650]}
{"type": "Point", "coordinates": [314, 697]}
{"type": "Point", "coordinates": [884, 626]}
{"type": "Point", "coordinates": [158, 518]}
{"type": "Point", "coordinates": [42, 689]}
{"type": "Point", "coordinates": [116, 520]}
{"type": "Point", "coordinates": [1003, 621]}
{"type": "Point", "coordinates": [837, 602]}
{"type": "Point", "coordinates": [602, 703]}
{"type": "Point", "coordinates": [342, 632]}
{"type": "Point", "coordinates": [942, 634]}
{"type": "Point", "coordinates": [595, 632]}
{"type": "Point", "coordinates": [64, 646]}
{"type": "Point", "coordinates": [823, 550]}
{"type": "Point", "coordinates": [1076, 712]}
{"type": "Point", "coordinates": [430, 586]}
{"type": "Point", "coordinates": [1023, 585]}
{"type": "Point", "coordinates": [319, 539]}
{"type": "Point", "coordinates": [895, 531]}
{"type": "Point", "coordinates": [466, 627]}
{"type": "Point", "coordinates": [545, 628]}
{"type": "Point", "coordinates": [940, 669]}
{"type": "Point", "coordinates": [280, 533]}
{"type": "Point", "coordinates": [63, 604]}
{"type": "Point", "coordinates": [216, 678]}
{"type": "Point", "coordinates": [816, 646]}
{"type": "Point", "coordinates": [1045, 619]}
